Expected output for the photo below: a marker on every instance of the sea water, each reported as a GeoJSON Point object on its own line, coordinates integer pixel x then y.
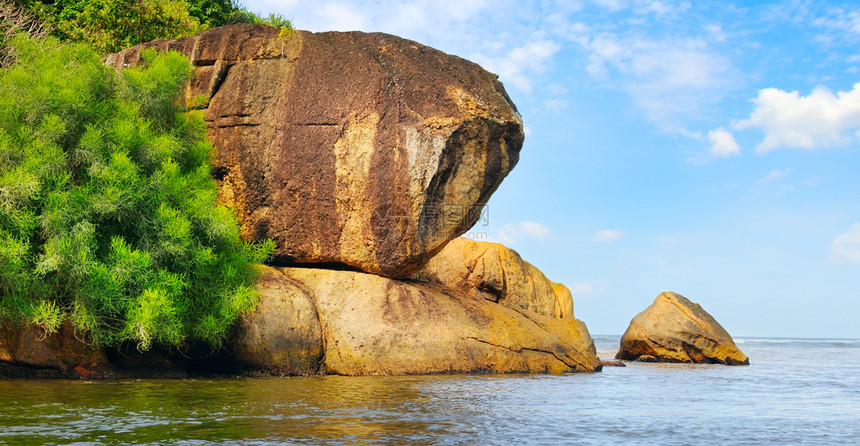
{"type": "Point", "coordinates": [795, 391]}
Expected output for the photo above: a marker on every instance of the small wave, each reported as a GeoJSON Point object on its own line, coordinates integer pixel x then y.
{"type": "Point", "coordinates": [800, 342]}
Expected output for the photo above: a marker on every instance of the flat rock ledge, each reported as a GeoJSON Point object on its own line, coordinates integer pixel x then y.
{"type": "Point", "coordinates": [673, 329]}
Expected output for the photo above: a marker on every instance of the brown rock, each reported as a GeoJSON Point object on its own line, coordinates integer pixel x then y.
{"type": "Point", "coordinates": [497, 273]}
{"type": "Point", "coordinates": [360, 149]}
{"type": "Point", "coordinates": [60, 354]}
{"type": "Point", "coordinates": [612, 363]}
{"type": "Point", "coordinates": [378, 326]}
{"type": "Point", "coordinates": [673, 329]}
{"type": "Point", "coordinates": [282, 335]}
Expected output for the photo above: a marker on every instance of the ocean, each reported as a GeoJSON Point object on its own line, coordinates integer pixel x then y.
{"type": "Point", "coordinates": [795, 391]}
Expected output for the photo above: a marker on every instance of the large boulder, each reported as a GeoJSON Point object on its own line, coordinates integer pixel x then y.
{"type": "Point", "coordinates": [367, 150]}
{"type": "Point", "coordinates": [282, 335]}
{"type": "Point", "coordinates": [494, 272]}
{"type": "Point", "coordinates": [373, 325]}
{"type": "Point", "coordinates": [673, 329]}
{"type": "Point", "coordinates": [28, 351]}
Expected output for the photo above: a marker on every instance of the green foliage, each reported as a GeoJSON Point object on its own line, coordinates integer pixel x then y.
{"type": "Point", "coordinates": [276, 20]}
{"type": "Point", "coordinates": [111, 25]}
{"type": "Point", "coordinates": [108, 212]}
{"type": "Point", "coordinates": [214, 12]}
{"type": "Point", "coordinates": [15, 20]}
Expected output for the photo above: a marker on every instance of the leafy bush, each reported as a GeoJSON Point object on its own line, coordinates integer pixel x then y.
{"type": "Point", "coordinates": [111, 25]}
{"type": "Point", "coordinates": [13, 21]}
{"type": "Point", "coordinates": [276, 20]}
{"type": "Point", "coordinates": [108, 213]}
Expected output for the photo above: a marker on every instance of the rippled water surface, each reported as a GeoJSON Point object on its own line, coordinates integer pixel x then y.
{"type": "Point", "coordinates": [795, 392]}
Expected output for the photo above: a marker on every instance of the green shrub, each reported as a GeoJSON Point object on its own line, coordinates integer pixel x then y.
{"type": "Point", "coordinates": [108, 213]}
{"type": "Point", "coordinates": [277, 20]}
{"type": "Point", "coordinates": [15, 20]}
{"type": "Point", "coordinates": [111, 25]}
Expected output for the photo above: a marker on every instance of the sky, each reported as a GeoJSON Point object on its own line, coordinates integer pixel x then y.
{"type": "Point", "coordinates": [706, 148]}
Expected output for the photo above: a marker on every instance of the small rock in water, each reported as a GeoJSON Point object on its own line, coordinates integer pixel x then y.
{"type": "Point", "coordinates": [612, 363]}
{"type": "Point", "coordinates": [646, 358]}
{"type": "Point", "coordinates": [673, 329]}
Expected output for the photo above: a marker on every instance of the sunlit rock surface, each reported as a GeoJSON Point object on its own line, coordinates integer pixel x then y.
{"type": "Point", "coordinates": [367, 150]}
{"type": "Point", "coordinates": [497, 273]}
{"type": "Point", "coordinates": [673, 329]}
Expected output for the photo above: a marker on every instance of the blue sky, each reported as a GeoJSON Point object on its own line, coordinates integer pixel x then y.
{"type": "Point", "coordinates": [708, 148]}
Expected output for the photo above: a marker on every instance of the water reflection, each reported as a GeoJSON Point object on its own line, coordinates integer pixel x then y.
{"type": "Point", "coordinates": [360, 410]}
{"type": "Point", "coordinates": [776, 400]}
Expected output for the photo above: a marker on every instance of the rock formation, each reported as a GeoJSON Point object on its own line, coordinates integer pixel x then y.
{"type": "Point", "coordinates": [282, 335]}
{"type": "Point", "coordinates": [317, 321]}
{"type": "Point", "coordinates": [494, 272]}
{"type": "Point", "coordinates": [373, 325]}
{"type": "Point", "coordinates": [673, 329]}
{"type": "Point", "coordinates": [28, 351]}
{"type": "Point", "coordinates": [353, 151]}
{"type": "Point", "coordinates": [366, 150]}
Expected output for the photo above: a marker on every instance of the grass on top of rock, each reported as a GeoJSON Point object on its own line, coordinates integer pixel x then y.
{"type": "Point", "coordinates": [108, 212]}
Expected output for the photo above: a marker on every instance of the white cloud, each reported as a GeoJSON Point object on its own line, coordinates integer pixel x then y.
{"type": "Point", "coordinates": [820, 120]}
{"type": "Point", "coordinates": [343, 17]}
{"type": "Point", "coordinates": [664, 9]}
{"type": "Point", "coordinates": [841, 22]}
{"type": "Point", "coordinates": [611, 5]}
{"type": "Point", "coordinates": [689, 134]}
{"type": "Point", "coordinates": [723, 144]}
{"type": "Point", "coordinates": [520, 66]}
{"type": "Point", "coordinates": [511, 232]}
{"type": "Point", "coordinates": [643, 7]}
{"type": "Point", "coordinates": [586, 288]}
{"type": "Point", "coordinates": [775, 175]}
{"type": "Point", "coordinates": [607, 235]}
{"type": "Point", "coordinates": [669, 79]}
{"type": "Point", "coordinates": [846, 247]}
{"type": "Point", "coordinates": [534, 230]}
{"type": "Point", "coordinates": [716, 32]}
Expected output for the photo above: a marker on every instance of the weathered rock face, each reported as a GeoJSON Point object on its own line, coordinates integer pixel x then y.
{"type": "Point", "coordinates": [361, 149]}
{"type": "Point", "coordinates": [494, 272]}
{"type": "Point", "coordinates": [673, 329]}
{"type": "Point", "coordinates": [378, 326]}
{"type": "Point", "coordinates": [282, 335]}
{"type": "Point", "coordinates": [27, 351]}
